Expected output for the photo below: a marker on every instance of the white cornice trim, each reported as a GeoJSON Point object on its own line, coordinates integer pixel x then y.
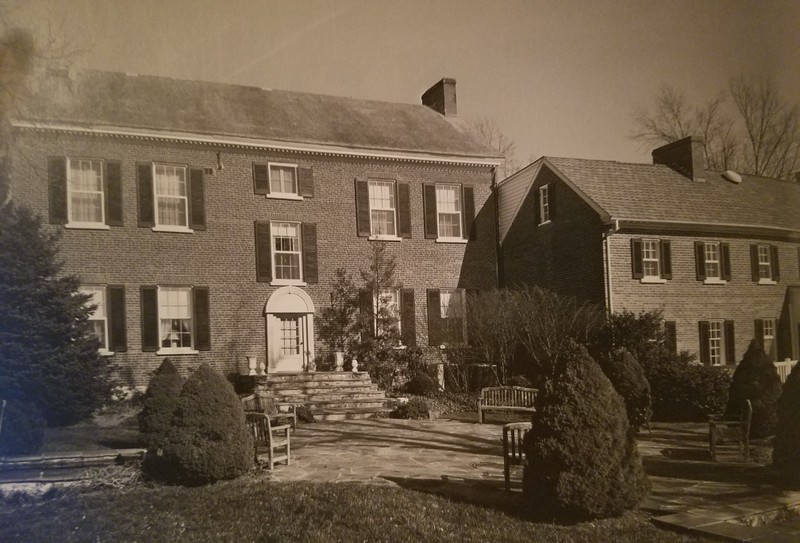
{"type": "Point", "coordinates": [249, 143]}
{"type": "Point", "coordinates": [756, 231]}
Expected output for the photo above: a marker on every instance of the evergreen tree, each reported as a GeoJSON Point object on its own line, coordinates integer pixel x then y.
{"type": "Point", "coordinates": [160, 403]}
{"type": "Point", "coordinates": [787, 433]}
{"type": "Point", "coordinates": [48, 354]}
{"type": "Point", "coordinates": [755, 379]}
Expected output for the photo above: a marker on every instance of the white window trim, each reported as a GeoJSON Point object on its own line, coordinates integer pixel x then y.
{"type": "Point", "coordinates": [544, 190]}
{"type": "Point", "coordinates": [286, 282]}
{"type": "Point", "coordinates": [718, 280]}
{"type": "Point", "coordinates": [463, 294]}
{"type": "Point", "coordinates": [176, 350]}
{"type": "Point", "coordinates": [171, 227]}
{"type": "Point", "coordinates": [79, 225]}
{"type": "Point", "coordinates": [656, 279]}
{"type": "Point", "coordinates": [653, 281]}
{"type": "Point", "coordinates": [774, 325]}
{"type": "Point", "coordinates": [399, 316]}
{"type": "Point", "coordinates": [284, 195]}
{"type": "Point", "coordinates": [765, 280]}
{"type": "Point", "coordinates": [722, 354]}
{"type": "Point", "coordinates": [450, 239]}
{"type": "Point", "coordinates": [103, 350]}
{"type": "Point", "coordinates": [383, 237]}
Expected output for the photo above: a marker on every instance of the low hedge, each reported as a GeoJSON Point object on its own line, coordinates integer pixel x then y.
{"type": "Point", "coordinates": [683, 391]}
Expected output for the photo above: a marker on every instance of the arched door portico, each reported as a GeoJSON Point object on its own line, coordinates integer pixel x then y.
{"type": "Point", "coordinates": [290, 330]}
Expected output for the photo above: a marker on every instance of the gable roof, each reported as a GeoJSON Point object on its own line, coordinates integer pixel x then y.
{"type": "Point", "coordinates": [108, 99]}
{"type": "Point", "coordinates": [656, 193]}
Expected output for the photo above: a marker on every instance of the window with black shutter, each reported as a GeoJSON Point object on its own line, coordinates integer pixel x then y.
{"type": "Point", "coordinates": [671, 336]}
{"type": "Point", "coordinates": [263, 246]}
{"type": "Point", "coordinates": [435, 333]}
{"type": "Point", "coordinates": [117, 324]}
{"type": "Point", "coordinates": [113, 193]}
{"type": "Point", "coordinates": [197, 199]}
{"type": "Point", "coordinates": [408, 322]}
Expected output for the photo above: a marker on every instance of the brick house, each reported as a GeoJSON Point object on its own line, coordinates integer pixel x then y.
{"type": "Point", "coordinates": [718, 253]}
{"type": "Point", "coordinates": [207, 220]}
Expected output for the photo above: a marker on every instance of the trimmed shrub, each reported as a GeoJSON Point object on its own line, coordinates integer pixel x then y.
{"type": "Point", "coordinates": [787, 433]}
{"type": "Point", "coordinates": [416, 408]}
{"type": "Point", "coordinates": [305, 415]}
{"type": "Point", "coordinates": [422, 384]}
{"type": "Point", "coordinates": [627, 377]}
{"type": "Point", "coordinates": [23, 428]}
{"type": "Point", "coordinates": [756, 379]}
{"type": "Point", "coordinates": [160, 403]}
{"type": "Point", "coordinates": [582, 457]}
{"type": "Point", "coordinates": [208, 440]}
{"type": "Point", "coordinates": [519, 381]}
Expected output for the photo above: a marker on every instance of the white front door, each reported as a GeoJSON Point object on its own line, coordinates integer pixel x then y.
{"type": "Point", "coordinates": [287, 342]}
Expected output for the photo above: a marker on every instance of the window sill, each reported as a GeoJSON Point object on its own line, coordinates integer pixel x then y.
{"type": "Point", "coordinates": [284, 196]}
{"type": "Point", "coordinates": [715, 281]}
{"type": "Point", "coordinates": [384, 238]}
{"type": "Point", "coordinates": [451, 240]}
{"type": "Point", "coordinates": [288, 282]}
{"type": "Point", "coordinates": [548, 221]}
{"type": "Point", "coordinates": [178, 350]}
{"type": "Point", "coordinates": [173, 229]}
{"type": "Point", "coordinates": [653, 280]}
{"type": "Point", "coordinates": [86, 226]}
{"type": "Point", "coordinates": [767, 282]}
{"type": "Point", "coordinates": [105, 352]}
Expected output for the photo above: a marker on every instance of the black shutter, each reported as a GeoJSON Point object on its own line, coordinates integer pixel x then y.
{"type": "Point", "coordinates": [366, 304]}
{"type": "Point", "coordinates": [666, 259]}
{"type": "Point", "coordinates": [362, 209]}
{"type": "Point", "coordinates": [113, 188]}
{"type": "Point", "coordinates": [705, 355]}
{"type": "Point", "coordinates": [57, 179]}
{"type": "Point", "coordinates": [775, 263]}
{"type": "Point", "coordinates": [469, 213]}
{"type": "Point", "coordinates": [260, 179]}
{"type": "Point", "coordinates": [754, 262]}
{"type": "Point", "coordinates": [305, 178]}
{"type": "Point", "coordinates": [431, 217]}
{"type": "Point", "coordinates": [117, 329]}
{"type": "Point", "coordinates": [725, 261]}
{"type": "Point", "coordinates": [759, 329]}
{"type": "Point", "coordinates": [783, 338]}
{"type": "Point", "coordinates": [700, 261]}
{"type": "Point", "coordinates": [197, 199]}
{"type": "Point", "coordinates": [636, 258]}
{"type": "Point", "coordinates": [263, 252]}
{"type": "Point", "coordinates": [310, 264]}
{"type": "Point", "coordinates": [202, 319]}
{"type": "Point", "coordinates": [434, 318]}
{"type": "Point", "coordinates": [537, 210]}
{"type": "Point", "coordinates": [150, 327]}
{"type": "Point", "coordinates": [671, 336]}
{"type": "Point", "coordinates": [408, 321]}
{"type": "Point", "coordinates": [730, 343]}
{"type": "Point", "coordinates": [144, 180]}
{"type": "Point", "coordinates": [404, 209]}
{"type": "Point", "coordinates": [551, 201]}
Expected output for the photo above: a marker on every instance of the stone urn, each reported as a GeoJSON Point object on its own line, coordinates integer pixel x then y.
{"type": "Point", "coordinates": [339, 360]}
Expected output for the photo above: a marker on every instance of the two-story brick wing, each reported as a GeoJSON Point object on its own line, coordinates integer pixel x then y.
{"type": "Point", "coordinates": [718, 253]}
{"type": "Point", "coordinates": [207, 220]}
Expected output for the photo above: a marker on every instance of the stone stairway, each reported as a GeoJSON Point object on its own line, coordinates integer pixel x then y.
{"type": "Point", "coordinates": [330, 395]}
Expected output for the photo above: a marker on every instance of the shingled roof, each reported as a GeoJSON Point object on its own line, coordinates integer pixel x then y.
{"type": "Point", "coordinates": [95, 98]}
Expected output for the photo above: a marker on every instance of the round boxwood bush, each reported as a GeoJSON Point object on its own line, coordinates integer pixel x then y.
{"type": "Point", "coordinates": [787, 433]}
{"type": "Point", "coordinates": [628, 379]}
{"type": "Point", "coordinates": [209, 439]}
{"type": "Point", "coordinates": [422, 384]}
{"type": "Point", "coordinates": [415, 408]}
{"type": "Point", "coordinates": [755, 379]}
{"type": "Point", "coordinates": [23, 428]}
{"type": "Point", "coordinates": [582, 458]}
{"type": "Point", "coordinates": [160, 403]}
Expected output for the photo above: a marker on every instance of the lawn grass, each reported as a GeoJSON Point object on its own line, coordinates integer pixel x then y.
{"type": "Point", "coordinates": [254, 509]}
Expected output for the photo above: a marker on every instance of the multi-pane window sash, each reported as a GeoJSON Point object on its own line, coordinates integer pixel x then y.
{"type": "Point", "coordinates": [452, 314]}
{"type": "Point", "coordinates": [544, 204]}
{"type": "Point", "coordinates": [290, 335]}
{"type": "Point", "coordinates": [85, 187]}
{"type": "Point", "coordinates": [286, 250]}
{"type": "Point", "coordinates": [171, 195]}
{"type": "Point", "coordinates": [98, 320]}
{"type": "Point", "coordinates": [712, 260]}
{"type": "Point", "coordinates": [764, 262]}
{"type": "Point", "coordinates": [175, 316]}
{"type": "Point", "coordinates": [283, 179]}
{"type": "Point", "coordinates": [382, 207]}
{"type": "Point", "coordinates": [389, 301]}
{"type": "Point", "coordinates": [448, 207]}
{"type": "Point", "coordinates": [716, 345]}
{"type": "Point", "coordinates": [769, 335]}
{"type": "Point", "coordinates": [650, 263]}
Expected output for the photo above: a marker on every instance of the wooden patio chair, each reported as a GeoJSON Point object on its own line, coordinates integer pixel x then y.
{"type": "Point", "coordinates": [272, 441]}
{"type": "Point", "coordinates": [260, 403]}
{"type": "Point", "coordinates": [513, 433]}
{"type": "Point", "coordinates": [738, 431]}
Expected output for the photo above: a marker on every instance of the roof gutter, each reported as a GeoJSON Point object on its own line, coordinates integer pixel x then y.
{"type": "Point", "coordinates": [688, 227]}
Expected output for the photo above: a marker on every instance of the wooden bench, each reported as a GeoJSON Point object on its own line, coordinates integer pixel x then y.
{"type": "Point", "coordinates": [260, 403]}
{"type": "Point", "coordinates": [274, 440]}
{"type": "Point", "coordinates": [506, 400]}
{"type": "Point", "coordinates": [513, 434]}
{"type": "Point", "coordinates": [738, 431]}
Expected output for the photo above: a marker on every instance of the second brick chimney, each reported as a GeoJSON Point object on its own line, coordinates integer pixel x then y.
{"type": "Point", "coordinates": [686, 156]}
{"type": "Point", "coordinates": [442, 97]}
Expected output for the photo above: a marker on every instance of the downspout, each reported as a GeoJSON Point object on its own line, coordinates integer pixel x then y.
{"type": "Point", "coordinates": [607, 253]}
{"type": "Point", "coordinates": [499, 267]}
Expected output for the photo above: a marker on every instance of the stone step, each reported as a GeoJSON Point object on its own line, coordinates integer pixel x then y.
{"type": "Point", "coordinates": [314, 376]}
{"type": "Point", "coordinates": [329, 396]}
{"type": "Point", "coordinates": [321, 405]}
{"type": "Point", "coordinates": [294, 390]}
{"type": "Point", "coordinates": [353, 413]}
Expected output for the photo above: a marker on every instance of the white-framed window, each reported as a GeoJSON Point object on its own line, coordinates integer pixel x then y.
{"type": "Point", "coordinates": [452, 311]}
{"type": "Point", "coordinates": [98, 320]}
{"type": "Point", "coordinates": [544, 204]}
{"type": "Point", "coordinates": [171, 197]}
{"type": "Point", "coordinates": [716, 343]}
{"type": "Point", "coordinates": [283, 180]}
{"type": "Point", "coordinates": [712, 261]}
{"type": "Point", "coordinates": [449, 210]}
{"type": "Point", "coordinates": [85, 196]}
{"type": "Point", "coordinates": [769, 335]}
{"type": "Point", "coordinates": [176, 329]}
{"type": "Point", "coordinates": [764, 263]}
{"type": "Point", "coordinates": [382, 208]}
{"type": "Point", "coordinates": [651, 267]}
{"type": "Point", "coordinates": [290, 335]}
{"type": "Point", "coordinates": [389, 301]}
{"type": "Point", "coordinates": [287, 257]}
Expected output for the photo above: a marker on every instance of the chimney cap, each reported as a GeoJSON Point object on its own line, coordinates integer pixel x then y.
{"type": "Point", "coordinates": [441, 97]}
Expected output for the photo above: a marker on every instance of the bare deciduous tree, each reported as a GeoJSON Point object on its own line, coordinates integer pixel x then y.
{"type": "Point", "coordinates": [492, 328]}
{"type": "Point", "coordinates": [489, 132]}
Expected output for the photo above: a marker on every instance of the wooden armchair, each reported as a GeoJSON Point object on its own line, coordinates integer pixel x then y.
{"type": "Point", "coordinates": [513, 433]}
{"type": "Point", "coordinates": [738, 431]}
{"type": "Point", "coordinates": [259, 403]}
{"type": "Point", "coordinates": [274, 441]}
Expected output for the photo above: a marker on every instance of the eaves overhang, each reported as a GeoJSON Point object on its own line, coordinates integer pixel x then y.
{"type": "Point", "coordinates": [644, 226]}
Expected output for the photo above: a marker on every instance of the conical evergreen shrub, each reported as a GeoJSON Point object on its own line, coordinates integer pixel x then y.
{"type": "Point", "coordinates": [582, 458]}
{"type": "Point", "coordinates": [755, 379]}
{"type": "Point", "coordinates": [208, 440]}
{"type": "Point", "coordinates": [160, 403]}
{"type": "Point", "coordinates": [628, 379]}
{"type": "Point", "coordinates": [23, 427]}
{"type": "Point", "coordinates": [787, 434]}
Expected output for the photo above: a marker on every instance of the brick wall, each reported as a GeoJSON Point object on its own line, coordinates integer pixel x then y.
{"type": "Point", "coordinates": [223, 258]}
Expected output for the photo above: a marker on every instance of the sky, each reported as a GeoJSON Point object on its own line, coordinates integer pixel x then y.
{"type": "Point", "coordinates": [560, 78]}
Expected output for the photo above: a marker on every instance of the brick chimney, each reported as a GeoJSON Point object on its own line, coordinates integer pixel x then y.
{"type": "Point", "coordinates": [442, 97]}
{"type": "Point", "coordinates": [685, 156]}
